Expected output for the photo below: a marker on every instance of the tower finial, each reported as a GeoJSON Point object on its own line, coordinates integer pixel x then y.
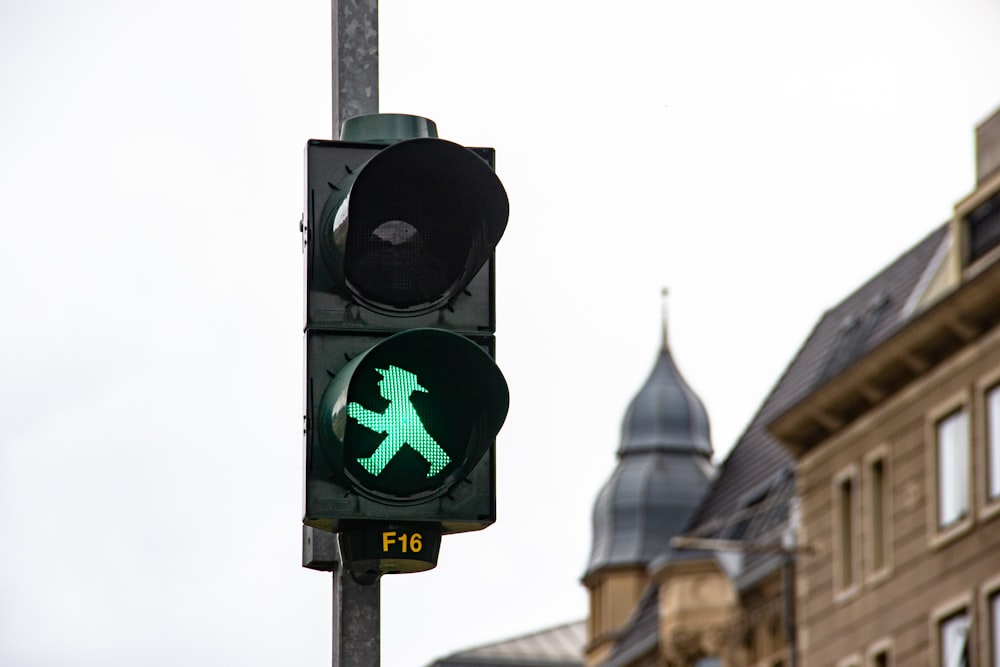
{"type": "Point", "coordinates": [663, 306]}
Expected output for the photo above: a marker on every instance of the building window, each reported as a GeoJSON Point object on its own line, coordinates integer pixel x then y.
{"type": "Point", "coordinates": [747, 513]}
{"type": "Point", "coordinates": [953, 468]}
{"type": "Point", "coordinates": [880, 653]}
{"type": "Point", "coordinates": [853, 335]}
{"type": "Point", "coordinates": [984, 228]}
{"type": "Point", "coordinates": [845, 510]}
{"type": "Point", "coordinates": [993, 444]}
{"type": "Point", "coordinates": [879, 541]}
{"type": "Point", "coordinates": [953, 635]}
{"type": "Point", "coordinates": [994, 628]}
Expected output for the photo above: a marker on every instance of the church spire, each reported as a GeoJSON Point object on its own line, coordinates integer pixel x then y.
{"type": "Point", "coordinates": [664, 467]}
{"type": "Point", "coordinates": [663, 311]}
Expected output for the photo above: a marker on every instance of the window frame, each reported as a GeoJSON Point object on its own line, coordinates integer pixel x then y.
{"type": "Point", "coordinates": [880, 455]}
{"type": "Point", "coordinates": [988, 457]}
{"type": "Point", "coordinates": [985, 214]}
{"type": "Point", "coordinates": [963, 618]}
{"type": "Point", "coordinates": [943, 447]}
{"type": "Point", "coordinates": [992, 626]}
{"type": "Point", "coordinates": [844, 590]}
{"type": "Point", "coordinates": [962, 604]}
{"type": "Point", "coordinates": [853, 660]}
{"type": "Point", "coordinates": [938, 534]}
{"type": "Point", "coordinates": [879, 647]}
{"type": "Point", "coordinates": [989, 613]}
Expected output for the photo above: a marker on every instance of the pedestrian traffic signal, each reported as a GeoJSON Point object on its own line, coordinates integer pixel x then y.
{"type": "Point", "coordinates": [403, 398]}
{"type": "Point", "coordinates": [409, 418]}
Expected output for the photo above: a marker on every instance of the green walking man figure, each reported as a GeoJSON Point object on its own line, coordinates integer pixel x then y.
{"type": "Point", "coordinates": [400, 422]}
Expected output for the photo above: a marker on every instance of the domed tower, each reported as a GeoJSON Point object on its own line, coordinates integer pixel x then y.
{"type": "Point", "coordinates": [664, 468]}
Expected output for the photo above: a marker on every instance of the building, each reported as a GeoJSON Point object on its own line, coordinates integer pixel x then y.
{"type": "Point", "coordinates": [897, 446]}
{"type": "Point", "coordinates": [717, 590]}
{"type": "Point", "coordinates": [664, 469]}
{"type": "Point", "coordinates": [856, 521]}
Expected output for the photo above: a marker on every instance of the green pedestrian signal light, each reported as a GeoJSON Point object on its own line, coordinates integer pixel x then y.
{"type": "Point", "coordinates": [408, 419]}
{"type": "Point", "coordinates": [400, 422]}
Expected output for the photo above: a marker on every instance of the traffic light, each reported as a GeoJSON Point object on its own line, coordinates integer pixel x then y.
{"type": "Point", "coordinates": [403, 398]}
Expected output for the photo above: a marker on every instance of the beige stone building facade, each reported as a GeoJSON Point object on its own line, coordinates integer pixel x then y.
{"type": "Point", "coordinates": [898, 464]}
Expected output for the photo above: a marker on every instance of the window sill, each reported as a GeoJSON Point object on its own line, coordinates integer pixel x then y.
{"type": "Point", "coordinates": [878, 576]}
{"type": "Point", "coordinates": [845, 595]}
{"type": "Point", "coordinates": [940, 537]}
{"type": "Point", "coordinates": [989, 509]}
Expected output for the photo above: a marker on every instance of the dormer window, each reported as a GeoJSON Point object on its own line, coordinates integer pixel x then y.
{"type": "Point", "coordinates": [983, 228]}
{"type": "Point", "coordinates": [853, 337]}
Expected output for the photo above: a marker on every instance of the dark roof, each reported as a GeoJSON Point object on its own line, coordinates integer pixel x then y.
{"type": "Point", "coordinates": [843, 335]}
{"type": "Point", "coordinates": [648, 500]}
{"type": "Point", "coordinates": [559, 646]}
{"type": "Point", "coordinates": [765, 526]}
{"type": "Point", "coordinates": [662, 473]}
{"type": "Point", "coordinates": [666, 414]}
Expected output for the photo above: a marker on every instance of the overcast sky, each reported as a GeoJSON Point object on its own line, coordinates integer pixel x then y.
{"type": "Point", "coordinates": [761, 159]}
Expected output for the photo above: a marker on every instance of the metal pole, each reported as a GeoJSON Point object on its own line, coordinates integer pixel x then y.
{"type": "Point", "coordinates": [790, 539]}
{"type": "Point", "coordinates": [356, 620]}
{"type": "Point", "coordinates": [355, 60]}
{"type": "Point", "coordinates": [356, 608]}
{"type": "Point", "coordinates": [788, 607]}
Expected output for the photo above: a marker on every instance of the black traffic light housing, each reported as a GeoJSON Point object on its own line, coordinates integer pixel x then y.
{"type": "Point", "coordinates": [403, 400]}
{"type": "Point", "coordinates": [360, 191]}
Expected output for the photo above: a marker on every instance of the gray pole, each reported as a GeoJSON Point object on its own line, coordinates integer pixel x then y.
{"type": "Point", "coordinates": [356, 608]}
{"type": "Point", "coordinates": [355, 60]}
{"type": "Point", "coordinates": [356, 621]}
{"type": "Point", "coordinates": [788, 607]}
{"type": "Point", "coordinates": [355, 93]}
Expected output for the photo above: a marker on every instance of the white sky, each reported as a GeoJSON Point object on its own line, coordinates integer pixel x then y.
{"type": "Point", "coordinates": [760, 159]}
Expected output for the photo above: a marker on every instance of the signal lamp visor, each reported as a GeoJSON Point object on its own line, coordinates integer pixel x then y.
{"type": "Point", "coordinates": [419, 221]}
